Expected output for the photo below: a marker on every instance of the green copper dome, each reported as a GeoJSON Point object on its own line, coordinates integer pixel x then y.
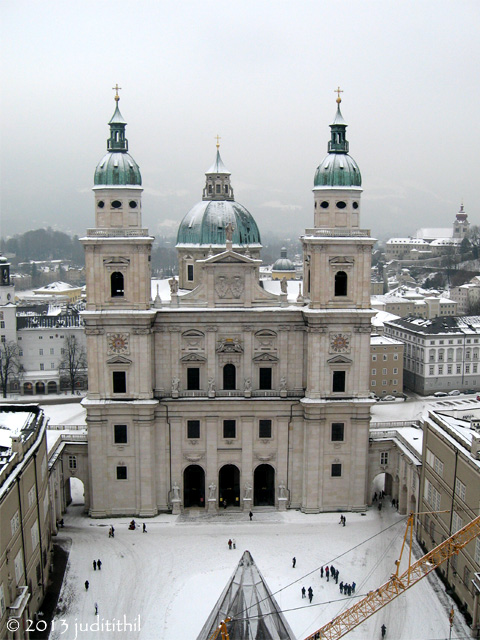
{"type": "Point", "coordinates": [283, 263]}
{"type": "Point", "coordinates": [338, 169]}
{"type": "Point", "coordinates": [117, 167]}
{"type": "Point", "coordinates": [205, 223]}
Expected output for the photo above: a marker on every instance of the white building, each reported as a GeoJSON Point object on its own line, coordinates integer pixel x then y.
{"type": "Point", "coordinates": [226, 393]}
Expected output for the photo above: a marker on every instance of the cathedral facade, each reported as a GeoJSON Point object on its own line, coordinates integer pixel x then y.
{"type": "Point", "coordinates": [226, 395]}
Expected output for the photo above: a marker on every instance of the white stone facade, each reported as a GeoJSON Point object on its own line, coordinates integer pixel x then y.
{"type": "Point", "coordinates": [228, 395]}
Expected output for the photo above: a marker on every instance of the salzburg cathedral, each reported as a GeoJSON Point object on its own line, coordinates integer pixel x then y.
{"type": "Point", "coordinates": [217, 393]}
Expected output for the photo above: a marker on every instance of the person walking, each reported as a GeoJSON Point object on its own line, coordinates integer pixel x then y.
{"type": "Point", "coordinates": [113, 531]}
{"type": "Point", "coordinates": [87, 584]}
{"type": "Point", "coordinates": [310, 594]}
{"type": "Point", "coordinates": [96, 609]}
{"type": "Point", "coordinates": [354, 584]}
{"type": "Point", "coordinates": [344, 520]}
{"type": "Point", "coordinates": [321, 572]}
{"type": "Point", "coordinates": [234, 543]}
{"type": "Point", "coordinates": [336, 576]}
{"type": "Point", "coordinates": [94, 565]}
{"type": "Point", "coordinates": [327, 573]}
{"type": "Point", "coordinates": [341, 587]}
{"type": "Point", "coordinates": [250, 515]}
{"type": "Point", "coordinates": [303, 592]}
{"type": "Point", "coordinates": [384, 630]}
{"type": "Point", "coordinates": [230, 543]}
{"type": "Point", "coordinates": [294, 562]}
{"type": "Point", "coordinates": [99, 564]}
{"type": "Point", "coordinates": [144, 528]}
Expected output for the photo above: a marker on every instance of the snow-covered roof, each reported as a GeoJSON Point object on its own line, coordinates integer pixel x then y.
{"type": "Point", "coordinates": [434, 232]}
{"type": "Point", "coordinates": [376, 341]}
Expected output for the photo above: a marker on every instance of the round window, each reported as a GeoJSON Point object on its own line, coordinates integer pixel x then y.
{"type": "Point", "coordinates": [132, 204]}
{"type": "Point", "coordinates": [341, 204]}
{"type": "Point", "coordinates": [100, 204]}
{"type": "Point", "coordinates": [116, 204]}
{"type": "Point", "coordinates": [324, 204]}
{"type": "Point", "coordinates": [355, 205]}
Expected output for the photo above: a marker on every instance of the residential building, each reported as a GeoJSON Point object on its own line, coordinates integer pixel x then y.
{"type": "Point", "coordinates": [386, 367]}
{"type": "Point", "coordinates": [25, 532]}
{"type": "Point", "coordinates": [441, 354]}
{"type": "Point", "coordinates": [449, 498]}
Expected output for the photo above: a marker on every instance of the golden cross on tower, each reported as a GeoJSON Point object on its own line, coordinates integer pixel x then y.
{"type": "Point", "coordinates": [218, 143]}
{"type": "Point", "coordinates": [116, 88]}
{"type": "Point", "coordinates": [338, 92]}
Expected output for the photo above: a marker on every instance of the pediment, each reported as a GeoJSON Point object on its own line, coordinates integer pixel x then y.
{"type": "Point", "coordinates": [119, 360]}
{"type": "Point", "coordinates": [229, 257]}
{"type": "Point", "coordinates": [265, 357]}
{"type": "Point", "coordinates": [339, 360]}
{"type": "Point", "coordinates": [193, 357]}
{"type": "Point", "coordinates": [116, 261]}
{"type": "Point", "coordinates": [341, 260]}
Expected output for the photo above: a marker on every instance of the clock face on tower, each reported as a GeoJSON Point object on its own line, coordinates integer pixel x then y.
{"type": "Point", "coordinates": [117, 343]}
{"type": "Point", "coordinates": [339, 342]}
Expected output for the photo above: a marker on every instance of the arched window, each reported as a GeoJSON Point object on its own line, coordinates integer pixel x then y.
{"type": "Point", "coordinates": [116, 284]}
{"type": "Point", "coordinates": [341, 283]}
{"type": "Point", "coordinates": [229, 377]}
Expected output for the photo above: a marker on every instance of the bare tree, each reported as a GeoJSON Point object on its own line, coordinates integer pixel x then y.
{"type": "Point", "coordinates": [9, 363]}
{"type": "Point", "coordinates": [73, 364]}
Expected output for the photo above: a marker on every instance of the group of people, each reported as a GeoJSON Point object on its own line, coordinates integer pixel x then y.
{"type": "Point", "coordinates": [97, 564]}
{"type": "Point", "coordinates": [343, 520]}
{"type": "Point", "coordinates": [310, 593]}
{"type": "Point", "coordinates": [232, 544]}
{"type": "Point", "coordinates": [111, 532]}
{"type": "Point", "coordinates": [330, 571]}
{"type": "Point", "coordinates": [347, 589]}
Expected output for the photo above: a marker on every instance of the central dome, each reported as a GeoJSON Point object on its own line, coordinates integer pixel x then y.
{"type": "Point", "coordinates": [204, 225]}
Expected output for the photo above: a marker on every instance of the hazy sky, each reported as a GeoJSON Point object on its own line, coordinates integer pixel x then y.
{"type": "Point", "coordinates": [261, 75]}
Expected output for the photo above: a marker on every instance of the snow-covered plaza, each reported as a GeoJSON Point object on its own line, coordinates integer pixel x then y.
{"type": "Point", "coordinates": [165, 582]}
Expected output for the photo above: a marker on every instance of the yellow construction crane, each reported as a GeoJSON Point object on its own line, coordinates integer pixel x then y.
{"type": "Point", "coordinates": [375, 600]}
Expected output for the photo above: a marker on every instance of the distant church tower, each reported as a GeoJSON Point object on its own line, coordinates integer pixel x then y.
{"type": "Point", "coordinates": [337, 260]}
{"type": "Point", "coordinates": [118, 320]}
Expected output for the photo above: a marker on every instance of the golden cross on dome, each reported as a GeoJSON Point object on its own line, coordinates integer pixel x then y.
{"type": "Point", "coordinates": [217, 137]}
{"type": "Point", "coordinates": [338, 92]}
{"type": "Point", "coordinates": [116, 88]}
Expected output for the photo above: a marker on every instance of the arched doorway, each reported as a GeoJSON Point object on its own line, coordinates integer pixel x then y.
{"type": "Point", "coordinates": [194, 486]}
{"type": "Point", "coordinates": [39, 387]}
{"type": "Point", "coordinates": [229, 485]}
{"type": "Point", "coordinates": [27, 389]}
{"type": "Point", "coordinates": [383, 484]}
{"type": "Point", "coordinates": [52, 387]}
{"type": "Point", "coordinates": [264, 486]}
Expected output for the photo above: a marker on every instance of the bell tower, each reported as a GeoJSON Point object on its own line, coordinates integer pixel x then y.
{"type": "Point", "coordinates": [337, 260]}
{"type": "Point", "coordinates": [118, 325]}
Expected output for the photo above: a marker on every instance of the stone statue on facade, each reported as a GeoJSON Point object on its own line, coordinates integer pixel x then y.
{"type": "Point", "coordinates": [173, 282]}
{"type": "Point", "coordinates": [211, 491]}
{"type": "Point", "coordinates": [283, 285]}
{"type": "Point", "coordinates": [283, 383]}
{"type": "Point", "coordinates": [211, 385]}
{"type": "Point", "coordinates": [282, 490]}
{"type": "Point", "coordinates": [248, 384]}
{"type": "Point", "coordinates": [248, 491]}
{"type": "Point", "coordinates": [175, 383]}
{"type": "Point", "coordinates": [229, 232]}
{"type": "Point", "coordinates": [175, 491]}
